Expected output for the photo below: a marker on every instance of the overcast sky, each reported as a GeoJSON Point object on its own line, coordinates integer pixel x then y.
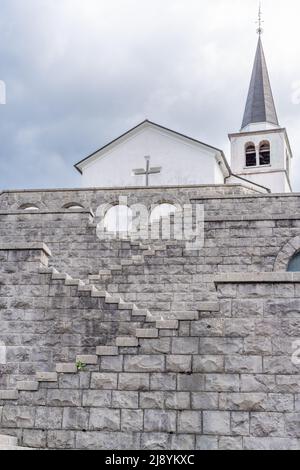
{"type": "Point", "coordinates": [79, 73]}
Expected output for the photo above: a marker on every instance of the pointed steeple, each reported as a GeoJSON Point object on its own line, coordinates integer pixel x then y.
{"type": "Point", "coordinates": [260, 106]}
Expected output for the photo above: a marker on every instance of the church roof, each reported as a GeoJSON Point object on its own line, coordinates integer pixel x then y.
{"type": "Point", "coordinates": [79, 166]}
{"type": "Point", "coordinates": [260, 105]}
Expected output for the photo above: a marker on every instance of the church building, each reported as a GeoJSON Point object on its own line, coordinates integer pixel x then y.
{"type": "Point", "coordinates": [152, 155]}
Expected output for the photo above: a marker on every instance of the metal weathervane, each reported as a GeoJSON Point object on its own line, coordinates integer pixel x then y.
{"type": "Point", "coordinates": [260, 21]}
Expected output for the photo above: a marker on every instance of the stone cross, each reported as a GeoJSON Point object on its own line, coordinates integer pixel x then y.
{"type": "Point", "coordinates": [149, 171]}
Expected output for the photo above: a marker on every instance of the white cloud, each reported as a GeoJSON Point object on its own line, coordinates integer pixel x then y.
{"type": "Point", "coordinates": [80, 73]}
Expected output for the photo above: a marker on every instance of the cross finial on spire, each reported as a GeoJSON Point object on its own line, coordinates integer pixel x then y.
{"type": "Point", "coordinates": [260, 21]}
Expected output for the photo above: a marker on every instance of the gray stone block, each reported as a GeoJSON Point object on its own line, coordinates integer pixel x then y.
{"type": "Point", "coordinates": [190, 422]}
{"type": "Point", "coordinates": [191, 383]}
{"type": "Point", "coordinates": [132, 420]}
{"type": "Point", "coordinates": [104, 381]}
{"type": "Point", "coordinates": [107, 351]}
{"type": "Point", "coordinates": [159, 421]}
{"type": "Point", "coordinates": [64, 398]}
{"type": "Point", "coordinates": [105, 420]}
{"type": "Point", "coordinates": [152, 400]}
{"type": "Point", "coordinates": [185, 346]}
{"type": "Point", "coordinates": [163, 382]}
{"type": "Point", "coordinates": [96, 398]}
{"type": "Point", "coordinates": [216, 423]}
{"type": "Point", "coordinates": [208, 364]}
{"type": "Point", "coordinates": [129, 381]}
{"type": "Point", "coordinates": [125, 400]}
{"type": "Point", "coordinates": [66, 368]}
{"type": "Point", "coordinates": [267, 425]}
{"type": "Point", "coordinates": [179, 363]}
{"type": "Point", "coordinates": [61, 440]}
{"type": "Point", "coordinates": [206, 443]}
{"type": "Point", "coordinates": [75, 418]}
{"type": "Point", "coordinates": [48, 418]}
{"type": "Point", "coordinates": [144, 363]}
{"type": "Point", "coordinates": [177, 400]}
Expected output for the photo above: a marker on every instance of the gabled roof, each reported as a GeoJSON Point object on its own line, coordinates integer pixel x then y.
{"type": "Point", "coordinates": [145, 123]}
{"type": "Point", "coordinates": [260, 106]}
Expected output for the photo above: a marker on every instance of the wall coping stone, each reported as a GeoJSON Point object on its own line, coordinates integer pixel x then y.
{"type": "Point", "coordinates": [252, 217]}
{"type": "Point", "coordinates": [256, 278]}
{"type": "Point", "coordinates": [25, 246]}
{"type": "Point", "coordinates": [46, 211]}
{"type": "Point", "coordinates": [127, 188]}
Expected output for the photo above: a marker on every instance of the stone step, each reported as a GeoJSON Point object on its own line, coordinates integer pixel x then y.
{"type": "Point", "coordinates": [85, 288]}
{"type": "Point", "coordinates": [94, 277]}
{"type": "Point", "coordinates": [137, 258]}
{"type": "Point", "coordinates": [9, 394]}
{"type": "Point", "coordinates": [113, 299]}
{"type": "Point", "coordinates": [125, 306]}
{"type": "Point", "coordinates": [126, 262]}
{"type": "Point", "coordinates": [127, 342]}
{"type": "Point", "coordinates": [155, 316]}
{"type": "Point", "coordinates": [99, 293]}
{"type": "Point", "coordinates": [107, 351]}
{"type": "Point", "coordinates": [208, 306]}
{"type": "Point", "coordinates": [47, 271]}
{"type": "Point", "coordinates": [46, 377]}
{"type": "Point", "coordinates": [73, 282]}
{"type": "Point", "coordinates": [87, 359]}
{"type": "Point", "coordinates": [174, 315]}
{"type": "Point", "coordinates": [137, 312]}
{"type": "Point", "coordinates": [8, 441]}
{"type": "Point", "coordinates": [146, 333]}
{"type": "Point", "coordinates": [60, 276]}
{"type": "Point", "coordinates": [28, 386]}
{"type": "Point", "coordinates": [66, 368]}
{"type": "Point", "coordinates": [167, 324]}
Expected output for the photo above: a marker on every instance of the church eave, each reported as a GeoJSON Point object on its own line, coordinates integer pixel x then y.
{"type": "Point", "coordinates": [79, 166]}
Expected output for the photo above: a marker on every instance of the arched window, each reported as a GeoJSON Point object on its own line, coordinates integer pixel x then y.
{"type": "Point", "coordinates": [162, 211]}
{"type": "Point", "coordinates": [118, 219]}
{"type": "Point", "coordinates": [264, 153]}
{"type": "Point", "coordinates": [73, 206]}
{"type": "Point", "coordinates": [250, 154]}
{"type": "Point", "coordinates": [294, 264]}
{"type": "Point", "coordinates": [29, 207]}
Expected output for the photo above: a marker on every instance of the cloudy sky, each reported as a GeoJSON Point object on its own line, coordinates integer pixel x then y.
{"type": "Point", "coordinates": [79, 73]}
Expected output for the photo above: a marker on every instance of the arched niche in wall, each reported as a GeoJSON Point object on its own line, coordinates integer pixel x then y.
{"type": "Point", "coordinates": [286, 254]}
{"type": "Point", "coordinates": [29, 207]}
{"type": "Point", "coordinates": [73, 206]}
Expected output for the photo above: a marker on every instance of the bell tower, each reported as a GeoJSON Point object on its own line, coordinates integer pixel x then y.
{"type": "Point", "coordinates": [261, 152]}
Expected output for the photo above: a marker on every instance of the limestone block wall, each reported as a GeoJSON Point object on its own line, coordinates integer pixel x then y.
{"type": "Point", "coordinates": [221, 380]}
{"type": "Point", "coordinates": [189, 350]}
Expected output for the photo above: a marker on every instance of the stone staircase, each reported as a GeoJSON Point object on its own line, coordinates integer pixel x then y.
{"type": "Point", "coordinates": [139, 276]}
{"type": "Point", "coordinates": [151, 331]}
{"type": "Point", "coordinates": [153, 328]}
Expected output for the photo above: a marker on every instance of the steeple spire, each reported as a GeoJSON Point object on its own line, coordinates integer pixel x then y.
{"type": "Point", "coordinates": [260, 106]}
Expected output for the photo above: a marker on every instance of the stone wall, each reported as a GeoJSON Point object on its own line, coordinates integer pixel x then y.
{"type": "Point", "coordinates": [182, 350]}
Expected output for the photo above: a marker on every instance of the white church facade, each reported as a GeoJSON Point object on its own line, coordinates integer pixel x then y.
{"type": "Point", "coordinates": [152, 155]}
